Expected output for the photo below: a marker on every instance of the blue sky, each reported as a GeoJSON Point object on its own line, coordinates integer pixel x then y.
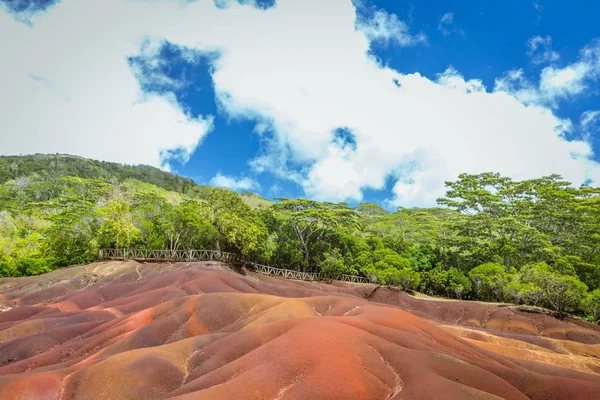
{"type": "Point", "coordinates": [343, 101]}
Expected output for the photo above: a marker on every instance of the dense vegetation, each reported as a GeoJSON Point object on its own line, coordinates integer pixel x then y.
{"type": "Point", "coordinates": [531, 242]}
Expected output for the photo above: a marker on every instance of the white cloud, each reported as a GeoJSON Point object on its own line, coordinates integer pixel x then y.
{"type": "Point", "coordinates": [300, 85]}
{"type": "Point", "coordinates": [275, 190]}
{"type": "Point", "coordinates": [540, 50]}
{"type": "Point", "coordinates": [562, 82]}
{"type": "Point", "coordinates": [555, 83]}
{"type": "Point", "coordinates": [537, 6]}
{"type": "Point", "coordinates": [446, 25]}
{"type": "Point", "coordinates": [335, 176]}
{"type": "Point", "coordinates": [590, 117]}
{"type": "Point", "coordinates": [515, 83]}
{"type": "Point", "coordinates": [447, 19]}
{"type": "Point", "coordinates": [233, 183]}
{"type": "Point", "coordinates": [388, 27]}
{"type": "Point", "coordinates": [68, 88]}
{"type": "Point", "coordinates": [590, 124]}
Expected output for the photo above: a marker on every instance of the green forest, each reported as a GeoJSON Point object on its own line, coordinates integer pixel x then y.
{"type": "Point", "coordinates": [534, 242]}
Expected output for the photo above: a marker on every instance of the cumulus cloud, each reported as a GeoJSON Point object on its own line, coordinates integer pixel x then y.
{"type": "Point", "coordinates": [540, 50]}
{"type": "Point", "coordinates": [69, 88]}
{"type": "Point", "coordinates": [233, 183]}
{"type": "Point", "coordinates": [451, 126]}
{"type": "Point", "coordinates": [387, 27]}
{"type": "Point", "coordinates": [555, 83]}
{"type": "Point", "coordinates": [300, 86]}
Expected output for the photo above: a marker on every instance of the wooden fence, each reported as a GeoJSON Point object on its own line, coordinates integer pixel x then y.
{"type": "Point", "coordinates": [168, 255]}
{"type": "Point", "coordinates": [307, 276]}
{"type": "Point", "coordinates": [222, 256]}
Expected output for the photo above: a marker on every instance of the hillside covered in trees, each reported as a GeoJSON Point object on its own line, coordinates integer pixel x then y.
{"type": "Point", "coordinates": [532, 242]}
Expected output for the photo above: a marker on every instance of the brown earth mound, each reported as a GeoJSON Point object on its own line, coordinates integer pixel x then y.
{"type": "Point", "coordinates": [125, 330]}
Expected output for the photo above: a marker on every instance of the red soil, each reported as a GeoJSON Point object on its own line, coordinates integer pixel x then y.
{"type": "Point", "coordinates": [199, 331]}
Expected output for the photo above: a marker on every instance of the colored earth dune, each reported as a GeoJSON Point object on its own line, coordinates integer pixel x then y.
{"type": "Point", "coordinates": [125, 330]}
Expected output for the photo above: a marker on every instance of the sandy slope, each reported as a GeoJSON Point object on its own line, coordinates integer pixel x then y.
{"type": "Point", "coordinates": [124, 330]}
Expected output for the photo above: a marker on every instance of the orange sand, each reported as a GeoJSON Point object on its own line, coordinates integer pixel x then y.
{"type": "Point", "coordinates": [124, 330]}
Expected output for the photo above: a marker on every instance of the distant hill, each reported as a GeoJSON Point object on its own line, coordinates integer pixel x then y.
{"type": "Point", "coordinates": [59, 165]}
{"type": "Point", "coordinates": [255, 200]}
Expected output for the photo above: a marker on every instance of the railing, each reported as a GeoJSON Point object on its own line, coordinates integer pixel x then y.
{"type": "Point", "coordinates": [307, 276]}
{"type": "Point", "coordinates": [167, 255]}
{"type": "Point", "coordinates": [222, 256]}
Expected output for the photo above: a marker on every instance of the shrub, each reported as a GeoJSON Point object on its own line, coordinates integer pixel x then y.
{"type": "Point", "coordinates": [489, 280]}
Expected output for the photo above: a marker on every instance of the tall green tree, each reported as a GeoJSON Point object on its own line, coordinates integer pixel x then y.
{"type": "Point", "coordinates": [238, 227]}
{"type": "Point", "coordinates": [117, 226]}
{"type": "Point", "coordinates": [313, 222]}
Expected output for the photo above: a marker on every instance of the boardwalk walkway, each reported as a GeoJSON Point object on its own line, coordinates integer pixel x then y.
{"type": "Point", "coordinates": [215, 255]}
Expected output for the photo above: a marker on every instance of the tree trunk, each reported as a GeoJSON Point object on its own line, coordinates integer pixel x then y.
{"type": "Point", "coordinates": [304, 244]}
